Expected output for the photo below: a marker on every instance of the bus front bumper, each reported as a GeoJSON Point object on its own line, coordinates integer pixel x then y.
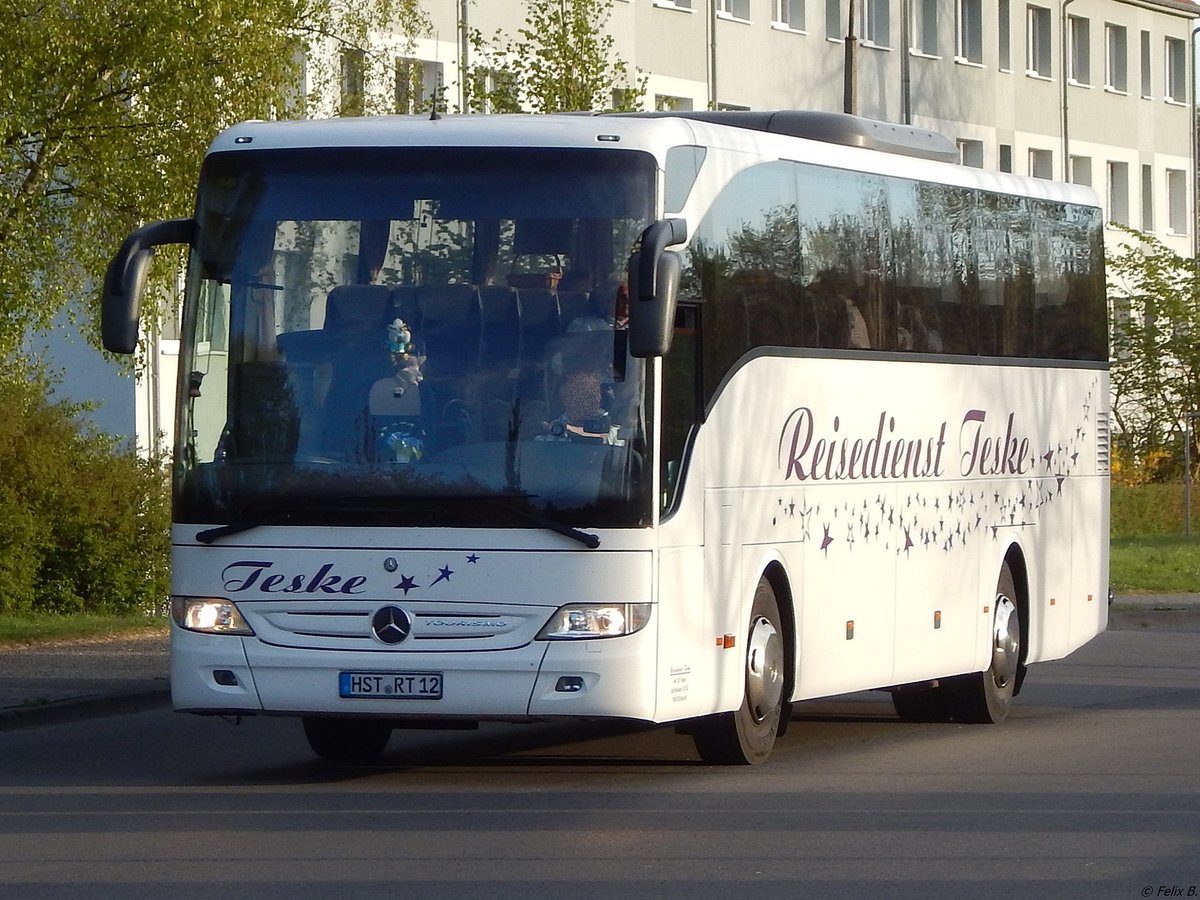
{"type": "Point", "coordinates": [613, 677]}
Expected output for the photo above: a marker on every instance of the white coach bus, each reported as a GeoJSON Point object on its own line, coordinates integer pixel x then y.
{"type": "Point", "coordinates": [664, 417]}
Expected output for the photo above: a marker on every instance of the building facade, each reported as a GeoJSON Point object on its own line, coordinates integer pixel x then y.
{"type": "Point", "coordinates": [1099, 92]}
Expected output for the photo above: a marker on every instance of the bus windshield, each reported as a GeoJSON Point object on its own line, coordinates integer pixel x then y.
{"type": "Point", "coordinates": [414, 337]}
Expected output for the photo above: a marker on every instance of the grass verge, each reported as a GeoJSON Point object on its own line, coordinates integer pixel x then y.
{"type": "Point", "coordinates": [24, 630]}
{"type": "Point", "coordinates": [1158, 564]}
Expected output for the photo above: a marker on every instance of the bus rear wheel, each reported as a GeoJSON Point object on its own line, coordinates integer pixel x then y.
{"type": "Point", "coordinates": [346, 740]}
{"type": "Point", "coordinates": [747, 736]}
{"type": "Point", "coordinates": [985, 697]}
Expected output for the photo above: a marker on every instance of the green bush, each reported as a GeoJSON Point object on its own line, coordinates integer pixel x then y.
{"type": "Point", "coordinates": [1151, 509]}
{"type": "Point", "coordinates": [84, 523]}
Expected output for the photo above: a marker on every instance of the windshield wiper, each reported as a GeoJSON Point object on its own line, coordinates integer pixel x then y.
{"type": "Point", "coordinates": [209, 535]}
{"type": "Point", "coordinates": [591, 541]}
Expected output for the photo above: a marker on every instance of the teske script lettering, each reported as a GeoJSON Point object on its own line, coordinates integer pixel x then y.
{"type": "Point", "coordinates": [246, 574]}
{"type": "Point", "coordinates": [812, 451]}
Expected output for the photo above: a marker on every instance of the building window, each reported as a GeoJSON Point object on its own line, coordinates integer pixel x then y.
{"type": "Point", "coordinates": [1080, 52]}
{"type": "Point", "coordinates": [1147, 198]}
{"type": "Point", "coordinates": [924, 27]}
{"type": "Point", "coordinates": [790, 14]}
{"type": "Point", "coordinates": [1177, 217]}
{"type": "Point", "coordinates": [1004, 34]}
{"type": "Point", "coordinates": [1006, 158]}
{"type": "Point", "coordinates": [1041, 163]}
{"type": "Point", "coordinates": [419, 86]}
{"type": "Point", "coordinates": [1039, 48]}
{"type": "Point", "coordinates": [1081, 170]}
{"type": "Point", "coordinates": [352, 100]}
{"type": "Point", "coordinates": [678, 4]}
{"type": "Point", "coordinates": [667, 103]}
{"type": "Point", "coordinates": [1176, 70]}
{"type": "Point", "coordinates": [734, 9]}
{"type": "Point", "coordinates": [1118, 193]}
{"type": "Point", "coordinates": [970, 153]}
{"type": "Point", "coordinates": [876, 28]}
{"type": "Point", "coordinates": [1116, 58]}
{"type": "Point", "coordinates": [833, 20]}
{"type": "Point", "coordinates": [1147, 87]}
{"type": "Point", "coordinates": [968, 26]}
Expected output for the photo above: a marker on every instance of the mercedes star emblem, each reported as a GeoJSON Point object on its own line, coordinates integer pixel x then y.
{"type": "Point", "coordinates": [390, 625]}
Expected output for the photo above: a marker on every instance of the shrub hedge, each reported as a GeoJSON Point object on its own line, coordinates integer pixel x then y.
{"type": "Point", "coordinates": [84, 522]}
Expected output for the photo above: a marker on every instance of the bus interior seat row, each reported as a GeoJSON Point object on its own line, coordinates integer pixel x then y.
{"type": "Point", "coordinates": [483, 346]}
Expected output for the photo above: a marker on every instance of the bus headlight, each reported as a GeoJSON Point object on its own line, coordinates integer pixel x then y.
{"type": "Point", "coordinates": [595, 620]}
{"type": "Point", "coordinates": [211, 615]}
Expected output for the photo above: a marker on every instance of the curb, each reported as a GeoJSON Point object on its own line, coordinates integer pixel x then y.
{"type": "Point", "coordinates": [82, 708]}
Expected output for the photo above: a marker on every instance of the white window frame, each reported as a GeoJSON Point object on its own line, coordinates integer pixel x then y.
{"type": "Point", "coordinates": [1081, 170]}
{"type": "Point", "coordinates": [1041, 163]}
{"type": "Point", "coordinates": [1147, 198]}
{"type": "Point", "coordinates": [785, 14]}
{"type": "Point", "coordinates": [1039, 41]}
{"type": "Point", "coordinates": [738, 10]}
{"type": "Point", "coordinates": [1147, 66]}
{"type": "Point", "coordinates": [1118, 192]}
{"type": "Point", "coordinates": [970, 153]}
{"type": "Point", "coordinates": [833, 21]}
{"type": "Point", "coordinates": [1004, 35]}
{"type": "Point", "coordinates": [1079, 56]}
{"type": "Point", "coordinates": [968, 31]}
{"type": "Point", "coordinates": [1116, 58]}
{"type": "Point", "coordinates": [1177, 202]}
{"type": "Point", "coordinates": [924, 28]}
{"type": "Point", "coordinates": [877, 23]}
{"type": "Point", "coordinates": [1175, 88]}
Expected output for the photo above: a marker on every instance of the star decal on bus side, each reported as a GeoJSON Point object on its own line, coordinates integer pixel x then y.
{"type": "Point", "coordinates": [406, 584]}
{"type": "Point", "coordinates": [444, 574]}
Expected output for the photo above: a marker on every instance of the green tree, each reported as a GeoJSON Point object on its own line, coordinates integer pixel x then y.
{"type": "Point", "coordinates": [562, 60]}
{"type": "Point", "coordinates": [1153, 297]}
{"type": "Point", "coordinates": [106, 107]}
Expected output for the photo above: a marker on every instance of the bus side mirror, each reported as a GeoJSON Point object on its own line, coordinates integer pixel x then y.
{"type": "Point", "coordinates": [125, 280]}
{"type": "Point", "coordinates": [654, 274]}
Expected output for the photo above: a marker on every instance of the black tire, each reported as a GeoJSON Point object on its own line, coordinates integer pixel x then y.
{"type": "Point", "coordinates": [924, 705]}
{"type": "Point", "coordinates": [986, 697]}
{"type": "Point", "coordinates": [346, 740]}
{"type": "Point", "coordinates": [747, 736]}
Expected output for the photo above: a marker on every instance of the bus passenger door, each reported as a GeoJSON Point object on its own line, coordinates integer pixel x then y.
{"type": "Point", "coordinates": [724, 590]}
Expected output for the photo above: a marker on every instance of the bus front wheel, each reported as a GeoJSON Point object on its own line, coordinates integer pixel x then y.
{"type": "Point", "coordinates": [746, 736]}
{"type": "Point", "coordinates": [985, 697]}
{"type": "Point", "coordinates": [346, 740]}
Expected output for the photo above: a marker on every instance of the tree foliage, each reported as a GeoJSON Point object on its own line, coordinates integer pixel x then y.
{"type": "Point", "coordinates": [1154, 296]}
{"type": "Point", "coordinates": [562, 60]}
{"type": "Point", "coordinates": [84, 524]}
{"type": "Point", "coordinates": [107, 106]}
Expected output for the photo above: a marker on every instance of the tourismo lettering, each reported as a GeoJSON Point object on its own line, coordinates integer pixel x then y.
{"type": "Point", "coordinates": [807, 455]}
{"type": "Point", "coordinates": [243, 575]}
{"type": "Point", "coordinates": [986, 454]}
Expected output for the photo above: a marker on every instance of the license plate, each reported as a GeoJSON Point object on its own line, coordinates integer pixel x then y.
{"type": "Point", "coordinates": [390, 685]}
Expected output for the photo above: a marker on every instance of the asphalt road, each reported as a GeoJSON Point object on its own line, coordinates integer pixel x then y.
{"type": "Point", "coordinates": [1090, 790]}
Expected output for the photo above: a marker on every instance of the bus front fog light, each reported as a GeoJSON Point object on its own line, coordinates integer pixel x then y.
{"type": "Point", "coordinates": [585, 621]}
{"type": "Point", "coordinates": [209, 615]}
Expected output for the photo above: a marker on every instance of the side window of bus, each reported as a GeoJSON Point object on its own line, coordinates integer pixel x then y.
{"type": "Point", "coordinates": [844, 260]}
{"type": "Point", "coordinates": [743, 268]}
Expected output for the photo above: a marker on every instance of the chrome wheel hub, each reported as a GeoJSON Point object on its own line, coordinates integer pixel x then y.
{"type": "Point", "coordinates": [764, 668]}
{"type": "Point", "coordinates": [1006, 642]}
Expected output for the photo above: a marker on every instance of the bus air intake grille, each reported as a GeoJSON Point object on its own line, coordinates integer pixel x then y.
{"type": "Point", "coordinates": [1103, 443]}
